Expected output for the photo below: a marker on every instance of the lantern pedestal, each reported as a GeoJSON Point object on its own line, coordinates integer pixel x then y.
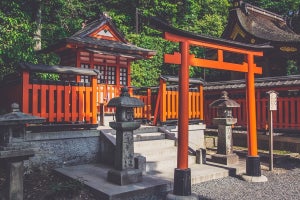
{"type": "Point", "coordinates": [124, 172]}
{"type": "Point", "coordinates": [14, 169]}
{"type": "Point", "coordinates": [14, 150]}
{"type": "Point", "coordinates": [225, 121]}
{"type": "Point", "coordinates": [225, 153]}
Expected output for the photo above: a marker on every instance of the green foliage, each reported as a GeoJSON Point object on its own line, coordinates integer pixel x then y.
{"type": "Point", "coordinates": [147, 72]}
{"type": "Point", "coordinates": [47, 76]}
{"type": "Point", "coordinates": [15, 36]}
{"type": "Point", "coordinates": [62, 18]}
{"type": "Point", "coordinates": [292, 68]}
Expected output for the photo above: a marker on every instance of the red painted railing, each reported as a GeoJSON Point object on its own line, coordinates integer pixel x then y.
{"type": "Point", "coordinates": [287, 115]}
{"type": "Point", "coordinates": [75, 102]}
{"type": "Point", "coordinates": [162, 104]}
{"type": "Point", "coordinates": [67, 102]}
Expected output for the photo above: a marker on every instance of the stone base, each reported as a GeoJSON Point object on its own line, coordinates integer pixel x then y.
{"type": "Point", "coordinates": [172, 196]}
{"type": "Point", "coordinates": [94, 176]}
{"type": "Point", "coordinates": [182, 182]}
{"type": "Point", "coordinates": [124, 177]}
{"type": "Point", "coordinates": [253, 166]}
{"type": "Point", "coordinates": [254, 179]}
{"type": "Point", "coordinates": [225, 159]}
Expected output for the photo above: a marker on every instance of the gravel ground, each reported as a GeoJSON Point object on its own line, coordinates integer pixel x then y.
{"type": "Point", "coordinates": [283, 183]}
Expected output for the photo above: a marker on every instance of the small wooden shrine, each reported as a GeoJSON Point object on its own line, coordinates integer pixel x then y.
{"type": "Point", "coordinates": [99, 45]}
{"type": "Point", "coordinates": [94, 65]}
{"type": "Point", "coordinates": [253, 25]}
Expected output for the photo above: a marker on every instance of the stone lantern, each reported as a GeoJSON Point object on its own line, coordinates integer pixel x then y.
{"type": "Point", "coordinates": [124, 171]}
{"type": "Point", "coordinates": [224, 121]}
{"type": "Point", "coordinates": [14, 150]}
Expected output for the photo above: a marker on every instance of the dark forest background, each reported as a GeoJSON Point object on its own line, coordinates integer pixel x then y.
{"type": "Point", "coordinates": [23, 22]}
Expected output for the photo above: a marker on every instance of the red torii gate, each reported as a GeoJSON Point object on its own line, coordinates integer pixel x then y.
{"type": "Point", "coordinates": [182, 183]}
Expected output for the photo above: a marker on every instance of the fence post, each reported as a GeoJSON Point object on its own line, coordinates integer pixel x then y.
{"type": "Point", "coordinates": [148, 105]}
{"type": "Point", "coordinates": [163, 99]}
{"type": "Point", "coordinates": [201, 102]}
{"type": "Point", "coordinates": [25, 92]}
{"type": "Point", "coordinates": [94, 99]}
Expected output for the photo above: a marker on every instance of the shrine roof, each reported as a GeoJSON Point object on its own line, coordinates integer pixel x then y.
{"type": "Point", "coordinates": [260, 23]}
{"type": "Point", "coordinates": [291, 80]}
{"type": "Point", "coordinates": [163, 26]}
{"type": "Point", "coordinates": [58, 69]}
{"type": "Point", "coordinates": [101, 35]}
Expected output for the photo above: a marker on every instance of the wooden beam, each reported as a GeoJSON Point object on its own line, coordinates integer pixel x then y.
{"type": "Point", "coordinates": [212, 64]}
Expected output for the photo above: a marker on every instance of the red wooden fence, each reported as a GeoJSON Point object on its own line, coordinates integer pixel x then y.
{"type": "Point", "coordinates": [60, 103]}
{"type": "Point", "coordinates": [162, 103]}
{"type": "Point", "coordinates": [287, 115]}
{"type": "Point", "coordinates": [76, 102]}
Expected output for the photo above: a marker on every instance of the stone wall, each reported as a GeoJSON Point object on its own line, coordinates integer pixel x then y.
{"type": "Point", "coordinates": [58, 149]}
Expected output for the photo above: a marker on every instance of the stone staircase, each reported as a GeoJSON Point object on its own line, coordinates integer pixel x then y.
{"type": "Point", "coordinates": [161, 157]}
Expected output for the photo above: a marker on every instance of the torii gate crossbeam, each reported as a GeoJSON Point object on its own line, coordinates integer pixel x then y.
{"type": "Point", "coordinates": [182, 185]}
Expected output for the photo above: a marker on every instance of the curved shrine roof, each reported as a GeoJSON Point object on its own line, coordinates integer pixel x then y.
{"type": "Point", "coordinates": [101, 35]}
{"type": "Point", "coordinates": [259, 24]}
{"type": "Point", "coordinates": [265, 25]}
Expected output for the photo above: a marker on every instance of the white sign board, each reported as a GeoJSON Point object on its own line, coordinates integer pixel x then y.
{"type": "Point", "coordinates": [272, 100]}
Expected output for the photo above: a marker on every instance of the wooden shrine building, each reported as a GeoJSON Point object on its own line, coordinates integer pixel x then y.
{"type": "Point", "coordinates": [99, 45]}
{"type": "Point", "coordinates": [94, 65]}
{"type": "Point", "coordinates": [253, 25]}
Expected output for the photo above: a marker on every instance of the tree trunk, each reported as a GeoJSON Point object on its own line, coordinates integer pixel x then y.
{"type": "Point", "coordinates": [38, 32]}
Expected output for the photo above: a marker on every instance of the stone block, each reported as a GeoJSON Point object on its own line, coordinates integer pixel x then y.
{"type": "Point", "coordinates": [124, 177]}
{"type": "Point", "coordinates": [140, 163]}
{"type": "Point", "coordinates": [201, 156]}
{"type": "Point", "coordinates": [225, 159]}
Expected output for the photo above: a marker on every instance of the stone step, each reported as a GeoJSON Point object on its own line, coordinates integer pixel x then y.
{"type": "Point", "coordinates": [158, 152]}
{"type": "Point", "coordinates": [144, 146]}
{"type": "Point", "coordinates": [146, 129]}
{"type": "Point", "coordinates": [149, 136]}
{"type": "Point", "coordinates": [165, 163]}
{"type": "Point", "coordinates": [202, 173]}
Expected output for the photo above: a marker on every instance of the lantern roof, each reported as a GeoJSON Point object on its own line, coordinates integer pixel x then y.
{"type": "Point", "coordinates": [17, 117]}
{"type": "Point", "coordinates": [224, 102]}
{"type": "Point", "coordinates": [125, 100]}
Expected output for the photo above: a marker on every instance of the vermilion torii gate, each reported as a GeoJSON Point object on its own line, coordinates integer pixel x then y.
{"type": "Point", "coordinates": [182, 183]}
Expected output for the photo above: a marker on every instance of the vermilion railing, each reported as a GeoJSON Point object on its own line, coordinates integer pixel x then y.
{"type": "Point", "coordinates": [162, 103]}
{"type": "Point", "coordinates": [287, 115]}
{"type": "Point", "coordinates": [67, 102]}
{"type": "Point", "coordinates": [146, 111]}
{"type": "Point", "coordinates": [75, 102]}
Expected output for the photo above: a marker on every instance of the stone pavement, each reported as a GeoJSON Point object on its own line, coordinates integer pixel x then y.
{"type": "Point", "coordinates": [155, 186]}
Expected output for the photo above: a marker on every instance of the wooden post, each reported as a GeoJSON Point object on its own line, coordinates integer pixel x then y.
{"type": "Point", "coordinates": [163, 103]}
{"type": "Point", "coordinates": [148, 105]}
{"type": "Point", "coordinates": [201, 102]}
{"type": "Point", "coordinates": [271, 139]}
{"type": "Point", "coordinates": [25, 92]}
{"type": "Point", "coordinates": [94, 98]}
{"type": "Point", "coordinates": [158, 102]}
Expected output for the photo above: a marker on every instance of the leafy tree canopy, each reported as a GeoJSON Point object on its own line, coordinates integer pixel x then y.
{"type": "Point", "coordinates": [61, 18]}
